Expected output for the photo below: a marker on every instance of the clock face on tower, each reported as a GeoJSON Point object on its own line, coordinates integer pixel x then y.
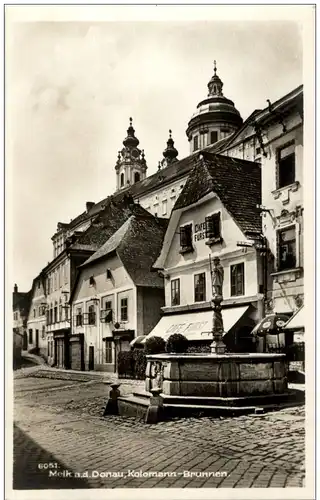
{"type": "Point", "coordinates": [135, 153]}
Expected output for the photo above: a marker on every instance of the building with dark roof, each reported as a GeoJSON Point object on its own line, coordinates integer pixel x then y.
{"type": "Point", "coordinates": [117, 296]}
{"type": "Point", "coordinates": [271, 137]}
{"type": "Point", "coordinates": [60, 274]}
{"type": "Point", "coordinates": [214, 214]}
{"type": "Point", "coordinates": [20, 305]}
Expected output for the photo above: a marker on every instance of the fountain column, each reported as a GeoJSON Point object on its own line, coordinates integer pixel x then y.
{"type": "Point", "coordinates": [217, 273]}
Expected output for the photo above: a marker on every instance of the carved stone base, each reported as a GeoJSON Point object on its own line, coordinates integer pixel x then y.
{"type": "Point", "coordinates": [218, 347]}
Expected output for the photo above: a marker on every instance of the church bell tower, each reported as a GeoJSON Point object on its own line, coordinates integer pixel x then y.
{"type": "Point", "coordinates": [131, 165]}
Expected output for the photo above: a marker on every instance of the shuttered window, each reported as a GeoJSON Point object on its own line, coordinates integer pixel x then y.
{"type": "Point", "coordinates": [186, 237]}
{"type": "Point", "coordinates": [213, 226]}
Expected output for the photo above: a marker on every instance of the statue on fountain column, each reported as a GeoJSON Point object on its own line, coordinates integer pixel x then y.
{"type": "Point", "coordinates": [217, 275]}
{"type": "Point", "coordinates": [217, 278]}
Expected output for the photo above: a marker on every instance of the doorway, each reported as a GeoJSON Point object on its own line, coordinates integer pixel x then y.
{"type": "Point", "coordinates": [25, 341]}
{"type": "Point", "coordinates": [91, 357]}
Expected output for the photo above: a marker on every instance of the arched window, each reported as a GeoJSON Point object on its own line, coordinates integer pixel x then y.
{"type": "Point", "coordinates": [122, 180]}
{"type": "Point", "coordinates": [136, 177]}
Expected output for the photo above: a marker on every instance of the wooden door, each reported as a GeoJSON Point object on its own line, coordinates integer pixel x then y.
{"type": "Point", "coordinates": [91, 357]}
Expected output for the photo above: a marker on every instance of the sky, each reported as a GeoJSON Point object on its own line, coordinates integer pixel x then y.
{"type": "Point", "coordinates": [72, 86]}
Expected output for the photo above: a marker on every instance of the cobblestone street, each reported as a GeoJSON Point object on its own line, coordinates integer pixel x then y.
{"type": "Point", "coordinates": [60, 422]}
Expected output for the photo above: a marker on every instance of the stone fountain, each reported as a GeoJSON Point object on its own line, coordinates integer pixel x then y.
{"type": "Point", "coordinates": [213, 383]}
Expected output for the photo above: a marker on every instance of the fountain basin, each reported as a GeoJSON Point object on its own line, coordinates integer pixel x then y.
{"type": "Point", "coordinates": [182, 385]}
{"type": "Point", "coordinates": [217, 375]}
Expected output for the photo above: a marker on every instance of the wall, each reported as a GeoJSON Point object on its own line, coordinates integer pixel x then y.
{"type": "Point", "coordinates": [169, 193]}
{"type": "Point", "coordinates": [120, 286]}
{"type": "Point", "coordinates": [37, 318]}
{"type": "Point", "coordinates": [286, 210]}
{"type": "Point", "coordinates": [58, 293]}
{"type": "Point", "coordinates": [152, 301]}
{"type": "Point", "coordinates": [187, 265]}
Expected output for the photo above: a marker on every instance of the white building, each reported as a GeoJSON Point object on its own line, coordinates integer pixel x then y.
{"type": "Point", "coordinates": [215, 212]}
{"type": "Point", "coordinates": [117, 297]}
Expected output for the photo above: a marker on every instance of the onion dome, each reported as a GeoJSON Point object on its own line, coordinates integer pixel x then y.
{"type": "Point", "coordinates": [215, 111]}
{"type": "Point", "coordinates": [131, 140]}
{"type": "Point", "coordinates": [170, 153]}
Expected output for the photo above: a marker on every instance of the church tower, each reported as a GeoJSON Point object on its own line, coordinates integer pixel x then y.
{"type": "Point", "coordinates": [131, 165]}
{"type": "Point", "coordinates": [216, 117]}
{"type": "Point", "coordinates": [170, 153]}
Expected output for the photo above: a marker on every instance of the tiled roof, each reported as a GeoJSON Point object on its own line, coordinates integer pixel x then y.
{"type": "Point", "coordinates": [167, 174]}
{"type": "Point", "coordinates": [21, 300]}
{"type": "Point", "coordinates": [236, 182]}
{"type": "Point", "coordinates": [107, 222]}
{"type": "Point", "coordinates": [137, 243]}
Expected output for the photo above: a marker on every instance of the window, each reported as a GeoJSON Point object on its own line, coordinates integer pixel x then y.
{"type": "Point", "coordinates": [186, 238]}
{"type": "Point", "coordinates": [91, 281]}
{"type": "Point", "coordinates": [213, 226]}
{"type": "Point", "coordinates": [39, 284]}
{"type": "Point", "coordinates": [136, 177]}
{"type": "Point", "coordinates": [30, 337]}
{"type": "Point", "coordinates": [287, 249]}
{"type": "Point", "coordinates": [213, 136]}
{"type": "Point", "coordinates": [258, 151]}
{"type": "Point", "coordinates": [175, 292]}
{"type": "Point", "coordinates": [195, 143]}
{"type": "Point", "coordinates": [51, 316]}
{"type": "Point", "coordinates": [237, 279]}
{"type": "Point", "coordinates": [79, 317]}
{"type": "Point", "coordinates": [34, 313]}
{"type": "Point", "coordinates": [91, 315]}
{"type": "Point", "coordinates": [122, 180]}
{"type": "Point", "coordinates": [55, 314]}
{"type": "Point", "coordinates": [108, 311]}
{"type": "Point", "coordinates": [108, 274]}
{"type": "Point", "coordinates": [40, 311]}
{"type": "Point", "coordinates": [66, 273]}
{"type": "Point", "coordinates": [164, 207]}
{"type": "Point", "coordinates": [49, 349]}
{"type": "Point", "coordinates": [60, 312]}
{"type": "Point", "coordinates": [15, 316]}
{"type": "Point", "coordinates": [43, 334]}
{"type": "Point", "coordinates": [66, 310]}
{"type": "Point", "coordinates": [200, 287]}
{"type": "Point", "coordinates": [286, 166]}
{"type": "Point", "coordinates": [124, 309]}
{"type": "Point", "coordinates": [108, 351]}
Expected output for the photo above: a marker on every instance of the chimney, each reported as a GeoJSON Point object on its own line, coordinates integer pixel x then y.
{"type": "Point", "coordinates": [89, 205]}
{"type": "Point", "coordinates": [15, 288]}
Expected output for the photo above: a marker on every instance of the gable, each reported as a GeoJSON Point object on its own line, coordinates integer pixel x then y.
{"type": "Point", "coordinates": [98, 269]}
{"type": "Point", "coordinates": [196, 215]}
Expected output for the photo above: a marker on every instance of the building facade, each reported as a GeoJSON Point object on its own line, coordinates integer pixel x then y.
{"type": "Point", "coordinates": [274, 137]}
{"type": "Point", "coordinates": [36, 323]}
{"type": "Point", "coordinates": [209, 221]}
{"type": "Point", "coordinates": [20, 304]}
{"type": "Point", "coordinates": [116, 297]}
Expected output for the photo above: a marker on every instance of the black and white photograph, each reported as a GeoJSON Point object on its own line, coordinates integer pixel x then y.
{"type": "Point", "coordinates": [159, 213]}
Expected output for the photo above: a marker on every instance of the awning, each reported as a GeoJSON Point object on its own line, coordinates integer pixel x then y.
{"type": "Point", "coordinates": [197, 325]}
{"type": "Point", "coordinates": [296, 322]}
{"type": "Point", "coordinates": [137, 340]}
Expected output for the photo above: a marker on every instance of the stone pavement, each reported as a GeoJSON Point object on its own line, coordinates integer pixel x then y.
{"type": "Point", "coordinates": [62, 425]}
